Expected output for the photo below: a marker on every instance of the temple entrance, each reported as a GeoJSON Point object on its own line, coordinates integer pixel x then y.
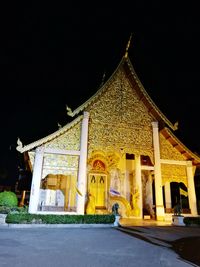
{"type": "Point", "coordinates": [97, 187]}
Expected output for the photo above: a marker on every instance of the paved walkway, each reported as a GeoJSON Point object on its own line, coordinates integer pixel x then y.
{"type": "Point", "coordinates": [86, 247]}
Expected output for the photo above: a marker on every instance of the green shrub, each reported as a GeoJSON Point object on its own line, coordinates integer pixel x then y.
{"type": "Point", "coordinates": [191, 221]}
{"type": "Point", "coordinates": [8, 199]}
{"type": "Point", "coordinates": [4, 209]}
{"type": "Point", "coordinates": [59, 219]}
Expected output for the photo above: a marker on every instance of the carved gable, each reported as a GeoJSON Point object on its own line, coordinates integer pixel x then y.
{"type": "Point", "coordinates": [167, 151]}
{"type": "Point", "coordinates": [118, 118]}
{"type": "Point", "coordinates": [69, 140]}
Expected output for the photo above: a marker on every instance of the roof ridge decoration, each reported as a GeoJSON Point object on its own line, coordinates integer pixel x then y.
{"type": "Point", "coordinates": [48, 138]}
{"type": "Point", "coordinates": [128, 45]}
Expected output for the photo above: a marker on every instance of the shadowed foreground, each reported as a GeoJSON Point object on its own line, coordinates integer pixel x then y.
{"type": "Point", "coordinates": [188, 249]}
{"type": "Point", "coordinates": [185, 241]}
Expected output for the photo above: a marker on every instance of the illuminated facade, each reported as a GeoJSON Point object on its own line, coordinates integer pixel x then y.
{"type": "Point", "coordinates": [118, 148]}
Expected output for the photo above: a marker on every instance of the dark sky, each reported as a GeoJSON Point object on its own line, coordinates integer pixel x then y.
{"type": "Point", "coordinates": [54, 54]}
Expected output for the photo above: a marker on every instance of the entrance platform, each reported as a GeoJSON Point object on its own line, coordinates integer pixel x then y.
{"type": "Point", "coordinates": [142, 222]}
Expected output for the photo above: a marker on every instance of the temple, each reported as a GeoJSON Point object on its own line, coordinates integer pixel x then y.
{"type": "Point", "coordinates": [118, 148]}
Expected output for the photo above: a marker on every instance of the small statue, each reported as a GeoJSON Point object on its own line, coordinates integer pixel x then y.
{"type": "Point", "coordinates": [177, 209]}
{"type": "Point", "coordinates": [115, 208]}
{"type": "Point", "coordinates": [90, 206]}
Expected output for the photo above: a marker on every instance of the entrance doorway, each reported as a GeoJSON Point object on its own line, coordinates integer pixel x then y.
{"type": "Point", "coordinates": [97, 186]}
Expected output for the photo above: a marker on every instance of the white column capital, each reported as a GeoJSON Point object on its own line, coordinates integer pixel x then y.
{"type": "Point", "coordinates": [39, 150]}
{"type": "Point", "coordinates": [189, 163]}
{"type": "Point", "coordinates": [154, 124]}
{"type": "Point", "coordinates": [86, 115]}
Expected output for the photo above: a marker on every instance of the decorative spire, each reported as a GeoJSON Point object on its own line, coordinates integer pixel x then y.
{"type": "Point", "coordinates": [103, 78]}
{"type": "Point", "coordinates": [127, 46]}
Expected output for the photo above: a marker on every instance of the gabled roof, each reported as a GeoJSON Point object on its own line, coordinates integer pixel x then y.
{"type": "Point", "coordinates": [188, 154]}
{"type": "Point", "coordinates": [126, 64]}
{"type": "Point", "coordinates": [50, 137]}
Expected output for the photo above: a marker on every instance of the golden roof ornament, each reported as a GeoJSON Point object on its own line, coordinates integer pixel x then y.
{"type": "Point", "coordinates": [19, 144]}
{"type": "Point", "coordinates": [176, 125]}
{"type": "Point", "coordinates": [59, 125]}
{"type": "Point", "coordinates": [69, 111]}
{"type": "Point", "coordinates": [127, 46]}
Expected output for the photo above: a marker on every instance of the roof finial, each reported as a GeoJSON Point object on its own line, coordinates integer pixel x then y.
{"type": "Point", "coordinates": [103, 78]}
{"type": "Point", "coordinates": [127, 46]}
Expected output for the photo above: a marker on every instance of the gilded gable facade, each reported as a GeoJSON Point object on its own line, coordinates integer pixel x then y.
{"type": "Point", "coordinates": [119, 148]}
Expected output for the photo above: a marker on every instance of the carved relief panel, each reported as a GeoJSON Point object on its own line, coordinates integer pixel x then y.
{"type": "Point", "coordinates": [173, 173]}
{"type": "Point", "coordinates": [119, 119]}
{"type": "Point", "coordinates": [167, 151]}
{"type": "Point", "coordinates": [69, 140]}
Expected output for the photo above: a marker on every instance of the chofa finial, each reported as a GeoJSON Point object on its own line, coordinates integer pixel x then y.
{"type": "Point", "coordinates": [69, 111]}
{"type": "Point", "coordinates": [176, 125]}
{"type": "Point", "coordinates": [19, 145]}
{"type": "Point", "coordinates": [128, 45]}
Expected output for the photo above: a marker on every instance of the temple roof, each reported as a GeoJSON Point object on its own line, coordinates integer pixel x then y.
{"type": "Point", "coordinates": [126, 64]}
{"type": "Point", "coordinates": [187, 153]}
{"type": "Point", "coordinates": [164, 123]}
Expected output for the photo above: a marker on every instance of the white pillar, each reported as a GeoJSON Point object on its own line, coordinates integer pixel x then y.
{"type": "Point", "coordinates": [138, 180]}
{"type": "Point", "coordinates": [82, 175]}
{"type": "Point", "coordinates": [36, 179]}
{"type": "Point", "coordinates": [168, 202]}
{"type": "Point", "coordinates": [191, 189]}
{"type": "Point", "coordinates": [160, 214]}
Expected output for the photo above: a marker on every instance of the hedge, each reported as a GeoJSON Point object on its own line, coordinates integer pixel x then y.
{"type": "Point", "coordinates": [59, 219]}
{"type": "Point", "coordinates": [191, 220]}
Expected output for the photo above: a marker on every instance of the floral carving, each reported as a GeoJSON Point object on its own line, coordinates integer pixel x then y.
{"type": "Point", "coordinates": [119, 119]}
{"type": "Point", "coordinates": [173, 173]}
{"type": "Point", "coordinates": [69, 140]}
{"type": "Point", "coordinates": [167, 151]}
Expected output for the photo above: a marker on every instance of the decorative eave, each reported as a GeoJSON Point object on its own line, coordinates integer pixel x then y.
{"type": "Point", "coordinates": [144, 96]}
{"type": "Point", "coordinates": [176, 143]}
{"type": "Point", "coordinates": [50, 137]}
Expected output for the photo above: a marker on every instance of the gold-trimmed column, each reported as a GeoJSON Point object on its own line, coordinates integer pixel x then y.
{"type": "Point", "coordinates": [82, 175]}
{"type": "Point", "coordinates": [191, 189]}
{"type": "Point", "coordinates": [160, 214]}
{"type": "Point", "coordinates": [36, 179]}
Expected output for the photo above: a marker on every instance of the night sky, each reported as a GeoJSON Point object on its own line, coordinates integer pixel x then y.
{"type": "Point", "coordinates": [53, 55]}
